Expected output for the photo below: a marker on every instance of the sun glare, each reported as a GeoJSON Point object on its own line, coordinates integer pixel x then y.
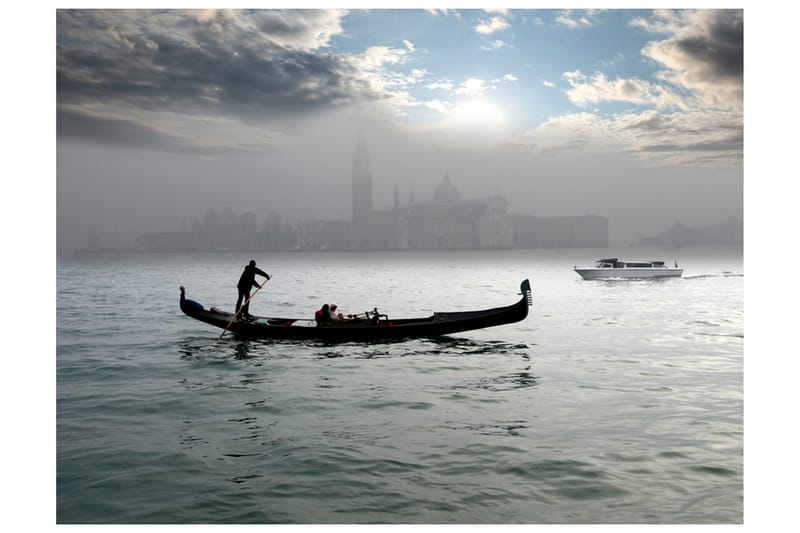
{"type": "Point", "coordinates": [478, 115]}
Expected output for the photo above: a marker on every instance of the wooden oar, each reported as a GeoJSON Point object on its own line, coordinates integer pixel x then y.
{"type": "Point", "coordinates": [243, 306]}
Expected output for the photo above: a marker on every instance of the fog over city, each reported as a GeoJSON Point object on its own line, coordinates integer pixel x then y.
{"type": "Point", "coordinates": [634, 115]}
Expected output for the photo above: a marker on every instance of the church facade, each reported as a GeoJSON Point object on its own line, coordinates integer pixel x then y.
{"type": "Point", "coordinates": [446, 221]}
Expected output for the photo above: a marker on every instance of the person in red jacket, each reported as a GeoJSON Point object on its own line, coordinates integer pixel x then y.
{"type": "Point", "coordinates": [323, 315]}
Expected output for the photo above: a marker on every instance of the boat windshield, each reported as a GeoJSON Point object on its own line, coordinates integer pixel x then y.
{"type": "Point", "coordinates": [616, 263]}
{"type": "Point", "coordinates": [605, 263]}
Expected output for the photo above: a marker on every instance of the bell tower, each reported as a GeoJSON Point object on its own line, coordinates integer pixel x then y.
{"type": "Point", "coordinates": [362, 181]}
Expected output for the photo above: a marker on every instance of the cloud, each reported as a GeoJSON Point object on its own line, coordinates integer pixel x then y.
{"type": "Point", "coordinates": [472, 87]}
{"type": "Point", "coordinates": [495, 45]}
{"type": "Point", "coordinates": [591, 90]}
{"type": "Point", "coordinates": [691, 111]}
{"type": "Point", "coordinates": [231, 62]}
{"type": "Point", "coordinates": [376, 58]}
{"type": "Point", "coordinates": [87, 126]}
{"type": "Point", "coordinates": [701, 59]}
{"type": "Point", "coordinates": [437, 105]}
{"type": "Point", "coordinates": [487, 27]}
{"type": "Point", "coordinates": [300, 29]}
{"type": "Point", "coordinates": [444, 85]}
{"type": "Point", "coordinates": [547, 83]}
{"type": "Point", "coordinates": [572, 20]}
{"type": "Point", "coordinates": [679, 138]}
{"type": "Point", "coordinates": [106, 129]}
{"type": "Point", "coordinates": [243, 65]}
{"type": "Point", "coordinates": [704, 53]}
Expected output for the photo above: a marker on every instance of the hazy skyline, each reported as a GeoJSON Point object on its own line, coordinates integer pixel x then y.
{"type": "Point", "coordinates": [636, 115]}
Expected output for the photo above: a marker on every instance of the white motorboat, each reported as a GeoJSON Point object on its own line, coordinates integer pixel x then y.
{"type": "Point", "coordinates": [616, 269]}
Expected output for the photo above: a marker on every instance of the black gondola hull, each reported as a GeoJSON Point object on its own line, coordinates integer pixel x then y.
{"type": "Point", "coordinates": [363, 330]}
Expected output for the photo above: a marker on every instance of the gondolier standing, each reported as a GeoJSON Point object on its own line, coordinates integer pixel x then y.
{"type": "Point", "coordinates": [246, 282]}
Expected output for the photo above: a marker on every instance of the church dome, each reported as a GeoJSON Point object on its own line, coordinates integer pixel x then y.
{"type": "Point", "coordinates": [446, 191]}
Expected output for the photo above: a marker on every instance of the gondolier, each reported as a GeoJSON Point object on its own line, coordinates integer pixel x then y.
{"type": "Point", "coordinates": [246, 282]}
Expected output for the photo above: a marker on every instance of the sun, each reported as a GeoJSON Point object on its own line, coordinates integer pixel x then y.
{"type": "Point", "coordinates": [478, 115]}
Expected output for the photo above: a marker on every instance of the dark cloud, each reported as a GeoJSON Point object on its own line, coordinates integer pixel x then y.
{"type": "Point", "coordinates": [99, 129]}
{"type": "Point", "coordinates": [238, 64]}
{"type": "Point", "coordinates": [651, 122]}
{"type": "Point", "coordinates": [729, 145]}
{"type": "Point", "coordinates": [704, 54]}
{"type": "Point", "coordinates": [720, 51]}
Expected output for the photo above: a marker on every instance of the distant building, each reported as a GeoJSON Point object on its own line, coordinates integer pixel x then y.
{"type": "Point", "coordinates": [444, 222]}
{"type": "Point", "coordinates": [449, 222]}
{"type": "Point", "coordinates": [729, 231]}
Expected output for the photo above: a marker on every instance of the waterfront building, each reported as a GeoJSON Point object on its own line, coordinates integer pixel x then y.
{"type": "Point", "coordinates": [445, 222]}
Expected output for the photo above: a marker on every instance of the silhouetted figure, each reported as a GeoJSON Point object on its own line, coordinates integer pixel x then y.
{"type": "Point", "coordinates": [246, 282]}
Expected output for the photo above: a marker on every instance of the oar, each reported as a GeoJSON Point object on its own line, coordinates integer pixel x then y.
{"type": "Point", "coordinates": [243, 305]}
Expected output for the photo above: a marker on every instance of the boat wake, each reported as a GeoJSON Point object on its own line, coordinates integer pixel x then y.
{"type": "Point", "coordinates": [715, 276]}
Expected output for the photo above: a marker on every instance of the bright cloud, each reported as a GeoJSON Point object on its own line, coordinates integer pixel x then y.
{"type": "Point", "coordinates": [376, 57]}
{"type": "Point", "coordinates": [567, 18]}
{"type": "Point", "coordinates": [495, 45]}
{"type": "Point", "coordinates": [487, 27]}
{"type": "Point", "coordinates": [444, 85]}
{"type": "Point", "coordinates": [597, 88]}
{"type": "Point", "coordinates": [472, 87]}
{"type": "Point", "coordinates": [436, 105]}
{"type": "Point", "coordinates": [694, 137]}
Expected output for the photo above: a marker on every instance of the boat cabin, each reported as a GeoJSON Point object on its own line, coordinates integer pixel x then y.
{"type": "Point", "coordinates": [616, 263]}
{"type": "Point", "coordinates": [608, 263]}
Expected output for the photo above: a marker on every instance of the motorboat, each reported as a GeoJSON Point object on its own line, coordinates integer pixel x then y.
{"type": "Point", "coordinates": [613, 268]}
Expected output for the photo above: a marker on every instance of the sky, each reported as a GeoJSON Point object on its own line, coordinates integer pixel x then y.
{"type": "Point", "coordinates": [632, 114]}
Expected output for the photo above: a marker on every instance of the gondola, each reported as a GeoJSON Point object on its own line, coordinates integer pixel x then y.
{"type": "Point", "coordinates": [370, 326]}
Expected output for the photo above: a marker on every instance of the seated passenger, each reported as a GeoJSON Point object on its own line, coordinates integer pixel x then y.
{"type": "Point", "coordinates": [323, 315]}
{"type": "Point", "coordinates": [335, 314]}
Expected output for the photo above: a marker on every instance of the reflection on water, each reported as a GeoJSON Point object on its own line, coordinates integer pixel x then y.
{"type": "Point", "coordinates": [205, 348]}
{"type": "Point", "coordinates": [201, 348]}
{"type": "Point", "coordinates": [241, 350]}
{"type": "Point", "coordinates": [500, 383]}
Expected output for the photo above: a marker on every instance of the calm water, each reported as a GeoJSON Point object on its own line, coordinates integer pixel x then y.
{"type": "Point", "coordinates": [614, 402]}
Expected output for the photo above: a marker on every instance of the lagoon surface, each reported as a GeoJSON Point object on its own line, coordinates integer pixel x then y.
{"type": "Point", "coordinates": [613, 402]}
